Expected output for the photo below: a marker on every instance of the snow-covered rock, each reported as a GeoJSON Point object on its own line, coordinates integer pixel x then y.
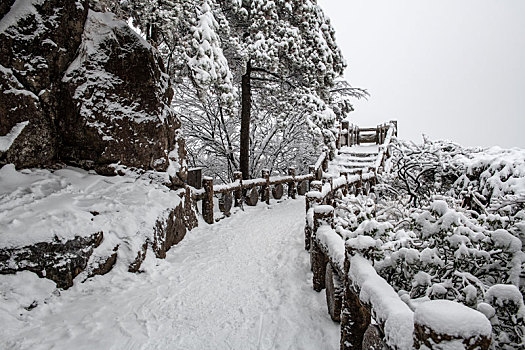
{"type": "Point", "coordinates": [119, 101]}
{"type": "Point", "coordinates": [38, 40]}
{"type": "Point", "coordinates": [59, 223]}
{"type": "Point", "coordinates": [90, 91]}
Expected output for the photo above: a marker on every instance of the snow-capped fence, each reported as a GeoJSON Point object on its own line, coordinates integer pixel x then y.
{"type": "Point", "coordinates": [350, 134]}
{"type": "Point", "coordinates": [251, 191]}
{"type": "Point", "coordinates": [356, 293]}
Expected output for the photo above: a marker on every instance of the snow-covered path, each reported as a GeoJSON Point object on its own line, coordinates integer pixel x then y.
{"type": "Point", "coordinates": [242, 283]}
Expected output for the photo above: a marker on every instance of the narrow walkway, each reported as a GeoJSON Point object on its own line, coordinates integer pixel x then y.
{"type": "Point", "coordinates": [243, 283]}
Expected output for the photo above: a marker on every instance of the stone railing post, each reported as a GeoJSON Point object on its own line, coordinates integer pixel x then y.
{"type": "Point", "coordinates": [237, 176]}
{"type": "Point", "coordinates": [207, 201]}
{"type": "Point", "coordinates": [443, 322]}
{"type": "Point", "coordinates": [291, 184]}
{"type": "Point", "coordinates": [355, 318]}
{"type": "Point", "coordinates": [265, 189]}
{"type": "Point", "coordinates": [323, 215]}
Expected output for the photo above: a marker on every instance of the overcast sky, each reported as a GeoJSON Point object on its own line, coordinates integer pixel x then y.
{"type": "Point", "coordinates": [452, 69]}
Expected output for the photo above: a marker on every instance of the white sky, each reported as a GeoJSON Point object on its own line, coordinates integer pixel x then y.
{"type": "Point", "coordinates": [452, 69]}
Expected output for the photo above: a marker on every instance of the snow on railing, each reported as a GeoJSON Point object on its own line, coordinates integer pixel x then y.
{"type": "Point", "coordinates": [349, 134]}
{"type": "Point", "coordinates": [364, 294]}
{"type": "Point", "coordinates": [384, 149]}
{"type": "Point", "coordinates": [251, 191]}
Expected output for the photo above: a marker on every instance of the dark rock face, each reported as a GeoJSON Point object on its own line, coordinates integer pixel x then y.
{"type": "Point", "coordinates": [90, 92]}
{"type": "Point", "coordinates": [58, 261]}
{"type": "Point", "coordinates": [119, 100]}
{"type": "Point", "coordinates": [36, 46]}
{"type": "Point", "coordinates": [35, 145]}
{"type": "Point", "coordinates": [169, 230]}
{"type": "Point", "coordinates": [93, 91]}
{"type": "Point", "coordinates": [172, 230]}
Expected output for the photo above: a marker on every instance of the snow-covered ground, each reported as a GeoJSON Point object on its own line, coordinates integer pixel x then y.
{"type": "Point", "coordinates": [242, 283]}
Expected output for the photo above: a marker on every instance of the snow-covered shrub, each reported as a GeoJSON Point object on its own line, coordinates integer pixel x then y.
{"type": "Point", "coordinates": [450, 222]}
{"type": "Point", "coordinates": [440, 253]}
{"type": "Point", "coordinates": [420, 171]}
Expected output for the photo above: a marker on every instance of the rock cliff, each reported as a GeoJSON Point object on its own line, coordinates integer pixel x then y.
{"type": "Point", "coordinates": [89, 90]}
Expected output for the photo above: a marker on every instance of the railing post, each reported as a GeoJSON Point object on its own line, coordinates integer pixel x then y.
{"type": "Point", "coordinates": [339, 138]}
{"type": "Point", "coordinates": [265, 189]}
{"type": "Point", "coordinates": [345, 126]}
{"type": "Point", "coordinates": [291, 184]}
{"type": "Point", "coordinates": [355, 318]}
{"type": "Point", "coordinates": [325, 161]}
{"type": "Point", "coordinates": [429, 333]}
{"type": "Point", "coordinates": [237, 176]}
{"type": "Point", "coordinates": [359, 184]}
{"type": "Point", "coordinates": [311, 170]}
{"type": "Point", "coordinates": [323, 215]}
{"type": "Point", "coordinates": [207, 201]}
{"type": "Point", "coordinates": [395, 127]}
{"type": "Point", "coordinates": [373, 179]}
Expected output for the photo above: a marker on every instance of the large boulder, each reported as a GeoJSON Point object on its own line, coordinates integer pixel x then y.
{"type": "Point", "coordinates": [86, 88]}
{"type": "Point", "coordinates": [119, 100]}
{"type": "Point", "coordinates": [38, 41]}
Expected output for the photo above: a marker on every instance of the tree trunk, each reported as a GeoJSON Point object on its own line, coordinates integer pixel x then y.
{"type": "Point", "coordinates": [246, 106]}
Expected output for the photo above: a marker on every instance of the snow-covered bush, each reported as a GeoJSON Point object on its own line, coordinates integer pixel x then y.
{"type": "Point", "coordinates": [439, 252]}
{"type": "Point", "coordinates": [448, 222]}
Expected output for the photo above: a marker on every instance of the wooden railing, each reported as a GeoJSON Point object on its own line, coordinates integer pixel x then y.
{"type": "Point", "coordinates": [249, 192]}
{"type": "Point", "coordinates": [355, 292]}
{"type": "Point", "coordinates": [350, 135]}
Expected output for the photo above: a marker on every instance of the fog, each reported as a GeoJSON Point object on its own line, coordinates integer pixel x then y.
{"type": "Point", "coordinates": [452, 69]}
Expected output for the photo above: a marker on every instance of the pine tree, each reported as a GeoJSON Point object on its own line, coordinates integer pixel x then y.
{"type": "Point", "coordinates": [286, 42]}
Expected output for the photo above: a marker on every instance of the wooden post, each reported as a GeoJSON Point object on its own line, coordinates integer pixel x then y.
{"type": "Point", "coordinates": [237, 176]}
{"type": "Point", "coordinates": [359, 185]}
{"type": "Point", "coordinates": [373, 180]}
{"type": "Point", "coordinates": [339, 138]}
{"type": "Point", "coordinates": [291, 184]}
{"type": "Point", "coordinates": [195, 177]}
{"type": "Point", "coordinates": [395, 127]}
{"type": "Point", "coordinates": [326, 159]}
{"type": "Point", "coordinates": [345, 187]}
{"type": "Point", "coordinates": [311, 170]}
{"type": "Point", "coordinates": [207, 201]}
{"type": "Point", "coordinates": [334, 293]}
{"type": "Point", "coordinates": [345, 126]}
{"type": "Point", "coordinates": [323, 215]}
{"type": "Point", "coordinates": [265, 189]}
{"type": "Point", "coordinates": [355, 318]}
{"type": "Point", "coordinates": [330, 196]}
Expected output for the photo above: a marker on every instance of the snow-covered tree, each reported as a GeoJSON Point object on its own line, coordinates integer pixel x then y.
{"type": "Point", "coordinates": [290, 43]}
